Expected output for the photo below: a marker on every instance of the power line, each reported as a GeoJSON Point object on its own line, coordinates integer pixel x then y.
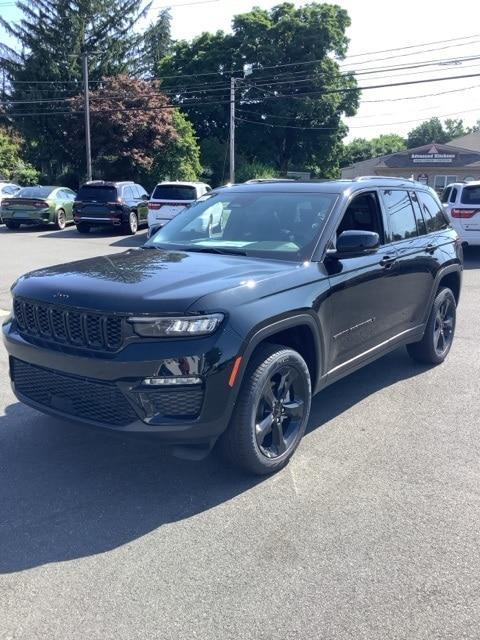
{"type": "Point", "coordinates": [412, 46]}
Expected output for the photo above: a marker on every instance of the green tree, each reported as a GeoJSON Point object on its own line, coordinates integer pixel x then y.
{"type": "Point", "coordinates": [455, 128]}
{"type": "Point", "coordinates": [180, 160]}
{"type": "Point", "coordinates": [362, 149]}
{"type": "Point", "coordinates": [12, 165]}
{"type": "Point", "coordinates": [427, 132]}
{"type": "Point", "coordinates": [156, 43]}
{"type": "Point", "coordinates": [135, 134]}
{"type": "Point", "coordinates": [290, 108]}
{"type": "Point", "coordinates": [45, 64]}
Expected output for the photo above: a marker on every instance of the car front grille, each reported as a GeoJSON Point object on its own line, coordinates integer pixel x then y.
{"type": "Point", "coordinates": [81, 398]}
{"type": "Point", "coordinates": [69, 326]}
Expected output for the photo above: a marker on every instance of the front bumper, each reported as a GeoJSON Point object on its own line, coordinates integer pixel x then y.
{"type": "Point", "coordinates": [107, 390]}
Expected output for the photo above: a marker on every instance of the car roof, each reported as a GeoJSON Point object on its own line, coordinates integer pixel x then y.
{"type": "Point", "coordinates": [325, 186]}
{"type": "Point", "coordinates": [177, 183]}
{"type": "Point", "coordinates": [107, 183]}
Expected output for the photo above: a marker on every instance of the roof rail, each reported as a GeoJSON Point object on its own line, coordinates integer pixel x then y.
{"type": "Point", "coordinates": [360, 178]}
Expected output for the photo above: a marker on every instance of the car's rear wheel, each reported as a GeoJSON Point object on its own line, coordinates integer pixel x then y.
{"type": "Point", "coordinates": [437, 340]}
{"type": "Point", "coordinates": [131, 226]}
{"type": "Point", "coordinates": [60, 220]}
{"type": "Point", "coordinates": [83, 227]}
{"type": "Point", "coordinates": [11, 224]}
{"type": "Point", "coordinates": [271, 413]}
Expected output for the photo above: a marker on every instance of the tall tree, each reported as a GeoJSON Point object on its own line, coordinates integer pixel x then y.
{"type": "Point", "coordinates": [427, 132]}
{"type": "Point", "coordinates": [156, 43]}
{"type": "Point", "coordinates": [45, 63]}
{"type": "Point", "coordinates": [290, 108]}
{"type": "Point", "coordinates": [135, 134]}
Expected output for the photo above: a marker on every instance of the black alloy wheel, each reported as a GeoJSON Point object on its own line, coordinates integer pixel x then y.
{"type": "Point", "coordinates": [437, 340]}
{"type": "Point", "coordinates": [271, 411]}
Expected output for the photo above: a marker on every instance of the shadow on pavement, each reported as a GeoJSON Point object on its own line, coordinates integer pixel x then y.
{"type": "Point", "coordinates": [471, 257]}
{"type": "Point", "coordinates": [131, 241]}
{"type": "Point", "coordinates": [68, 491]}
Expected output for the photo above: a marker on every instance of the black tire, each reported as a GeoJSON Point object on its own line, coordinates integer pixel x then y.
{"type": "Point", "coordinates": [60, 220]}
{"type": "Point", "coordinates": [131, 226]}
{"type": "Point", "coordinates": [83, 227]}
{"type": "Point", "coordinates": [437, 340]}
{"type": "Point", "coordinates": [11, 224]}
{"type": "Point", "coordinates": [247, 444]}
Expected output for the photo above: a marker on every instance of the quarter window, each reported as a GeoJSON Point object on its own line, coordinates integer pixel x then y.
{"type": "Point", "coordinates": [446, 194]}
{"type": "Point", "coordinates": [400, 214]}
{"type": "Point", "coordinates": [432, 212]}
{"type": "Point", "coordinates": [128, 193]}
{"type": "Point", "coordinates": [453, 195]}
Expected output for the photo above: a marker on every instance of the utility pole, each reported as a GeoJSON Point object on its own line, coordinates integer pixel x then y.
{"type": "Point", "coordinates": [232, 130]}
{"type": "Point", "coordinates": [86, 102]}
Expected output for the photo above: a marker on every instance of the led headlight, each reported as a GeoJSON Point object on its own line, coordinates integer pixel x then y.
{"type": "Point", "coordinates": [172, 327]}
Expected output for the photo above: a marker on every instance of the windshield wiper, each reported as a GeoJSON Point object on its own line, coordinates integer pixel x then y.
{"type": "Point", "coordinates": [221, 250]}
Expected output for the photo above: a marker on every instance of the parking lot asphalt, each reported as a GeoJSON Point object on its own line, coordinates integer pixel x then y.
{"type": "Point", "coordinates": [371, 532]}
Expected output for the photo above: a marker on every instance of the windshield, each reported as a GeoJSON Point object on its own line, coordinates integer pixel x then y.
{"type": "Point", "coordinates": [264, 224]}
{"type": "Point", "coordinates": [98, 194]}
{"type": "Point", "coordinates": [471, 195]}
{"type": "Point", "coordinates": [174, 192]}
{"type": "Point", "coordinates": [35, 192]}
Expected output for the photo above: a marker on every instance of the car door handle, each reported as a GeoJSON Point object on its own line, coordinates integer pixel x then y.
{"type": "Point", "coordinates": [430, 248]}
{"type": "Point", "coordinates": [387, 261]}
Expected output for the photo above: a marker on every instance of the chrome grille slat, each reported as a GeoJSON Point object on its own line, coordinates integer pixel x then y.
{"type": "Point", "coordinates": [74, 327]}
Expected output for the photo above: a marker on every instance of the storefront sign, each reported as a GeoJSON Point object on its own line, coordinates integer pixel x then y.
{"type": "Point", "coordinates": [432, 156]}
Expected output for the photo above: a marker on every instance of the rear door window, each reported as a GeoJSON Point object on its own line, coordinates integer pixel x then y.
{"type": "Point", "coordinates": [401, 216]}
{"type": "Point", "coordinates": [91, 193]}
{"type": "Point", "coordinates": [470, 195]}
{"type": "Point", "coordinates": [174, 193]}
{"type": "Point", "coordinates": [453, 195]}
{"type": "Point", "coordinates": [446, 194]}
{"type": "Point", "coordinates": [421, 226]}
{"type": "Point", "coordinates": [432, 212]}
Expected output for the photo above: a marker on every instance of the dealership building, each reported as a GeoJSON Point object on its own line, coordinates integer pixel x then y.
{"type": "Point", "coordinates": [434, 164]}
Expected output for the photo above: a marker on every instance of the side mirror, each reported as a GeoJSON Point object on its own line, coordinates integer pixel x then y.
{"type": "Point", "coordinates": [351, 244]}
{"type": "Point", "coordinates": [145, 197]}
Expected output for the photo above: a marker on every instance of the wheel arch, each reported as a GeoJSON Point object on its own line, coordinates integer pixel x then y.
{"type": "Point", "coordinates": [299, 331]}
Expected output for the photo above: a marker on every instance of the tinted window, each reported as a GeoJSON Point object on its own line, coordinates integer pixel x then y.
{"type": "Point", "coordinates": [10, 189]}
{"type": "Point", "coordinates": [35, 192]}
{"type": "Point", "coordinates": [141, 191]}
{"type": "Point", "coordinates": [97, 194]}
{"type": "Point", "coordinates": [421, 226]}
{"type": "Point", "coordinates": [265, 224]}
{"type": "Point", "coordinates": [446, 194]}
{"type": "Point", "coordinates": [453, 195]}
{"type": "Point", "coordinates": [174, 192]}
{"type": "Point", "coordinates": [470, 195]}
{"type": "Point", "coordinates": [400, 213]}
{"type": "Point", "coordinates": [128, 193]}
{"type": "Point", "coordinates": [432, 212]}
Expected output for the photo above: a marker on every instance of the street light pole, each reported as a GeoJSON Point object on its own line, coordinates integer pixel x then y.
{"type": "Point", "coordinates": [232, 130]}
{"type": "Point", "coordinates": [86, 102]}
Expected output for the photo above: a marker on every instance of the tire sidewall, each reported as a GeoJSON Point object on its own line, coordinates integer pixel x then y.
{"type": "Point", "coordinates": [441, 296]}
{"type": "Point", "coordinates": [61, 216]}
{"type": "Point", "coordinates": [132, 222]}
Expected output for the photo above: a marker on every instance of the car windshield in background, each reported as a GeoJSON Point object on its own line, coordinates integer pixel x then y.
{"type": "Point", "coordinates": [174, 192]}
{"type": "Point", "coordinates": [470, 195]}
{"type": "Point", "coordinates": [34, 192]}
{"type": "Point", "coordinates": [278, 225]}
{"type": "Point", "coordinates": [97, 194]}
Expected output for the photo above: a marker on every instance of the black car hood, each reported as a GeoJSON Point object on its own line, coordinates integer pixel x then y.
{"type": "Point", "coordinates": [146, 280]}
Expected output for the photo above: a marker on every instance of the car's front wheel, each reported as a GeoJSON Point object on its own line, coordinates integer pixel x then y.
{"type": "Point", "coordinates": [271, 413]}
{"type": "Point", "coordinates": [437, 340]}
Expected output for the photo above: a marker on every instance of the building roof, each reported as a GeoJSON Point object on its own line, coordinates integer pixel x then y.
{"type": "Point", "coordinates": [470, 141]}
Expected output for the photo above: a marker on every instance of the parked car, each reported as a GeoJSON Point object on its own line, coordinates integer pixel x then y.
{"type": "Point", "coordinates": [461, 201]}
{"type": "Point", "coordinates": [224, 337]}
{"type": "Point", "coordinates": [169, 198]}
{"type": "Point", "coordinates": [38, 205]}
{"type": "Point", "coordinates": [113, 204]}
{"type": "Point", "coordinates": [7, 190]}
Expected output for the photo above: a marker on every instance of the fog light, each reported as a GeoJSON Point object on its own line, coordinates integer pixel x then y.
{"type": "Point", "coordinates": [159, 382]}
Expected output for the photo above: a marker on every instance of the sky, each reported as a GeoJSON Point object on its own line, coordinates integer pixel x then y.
{"type": "Point", "coordinates": [377, 25]}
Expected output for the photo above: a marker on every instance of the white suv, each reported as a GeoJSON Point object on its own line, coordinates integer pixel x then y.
{"type": "Point", "coordinates": [461, 201]}
{"type": "Point", "coordinates": [169, 198]}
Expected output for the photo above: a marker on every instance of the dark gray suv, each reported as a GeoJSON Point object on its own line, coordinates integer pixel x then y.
{"type": "Point", "coordinates": [116, 204]}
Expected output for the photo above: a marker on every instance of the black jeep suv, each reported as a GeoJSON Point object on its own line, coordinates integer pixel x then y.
{"type": "Point", "coordinates": [224, 332]}
{"type": "Point", "coordinates": [113, 204]}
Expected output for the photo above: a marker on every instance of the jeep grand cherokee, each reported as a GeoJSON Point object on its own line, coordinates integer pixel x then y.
{"type": "Point", "coordinates": [222, 334]}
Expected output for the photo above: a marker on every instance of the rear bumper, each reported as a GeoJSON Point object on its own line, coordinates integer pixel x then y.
{"type": "Point", "coordinates": [113, 221]}
{"type": "Point", "coordinates": [38, 217]}
{"type": "Point", "coordinates": [108, 391]}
